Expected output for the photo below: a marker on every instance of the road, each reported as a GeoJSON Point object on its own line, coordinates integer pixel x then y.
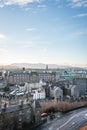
{"type": "Point", "coordinates": [70, 121]}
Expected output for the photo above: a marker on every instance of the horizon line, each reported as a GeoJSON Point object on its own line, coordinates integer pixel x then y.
{"type": "Point", "coordinates": [62, 64]}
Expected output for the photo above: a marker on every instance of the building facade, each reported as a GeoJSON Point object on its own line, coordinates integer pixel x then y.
{"type": "Point", "coordinates": [82, 85]}
{"type": "Point", "coordinates": [19, 116]}
{"type": "Point", "coordinates": [56, 92]}
{"type": "Point", "coordinates": [22, 77]}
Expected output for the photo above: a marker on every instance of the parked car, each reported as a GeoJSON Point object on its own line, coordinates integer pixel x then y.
{"type": "Point", "coordinates": [44, 114]}
{"type": "Point", "coordinates": [52, 116]}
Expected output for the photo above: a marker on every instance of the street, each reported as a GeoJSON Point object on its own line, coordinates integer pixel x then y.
{"type": "Point", "coordinates": [70, 121]}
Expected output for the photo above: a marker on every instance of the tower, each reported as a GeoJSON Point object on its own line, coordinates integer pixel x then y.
{"type": "Point", "coordinates": [46, 67]}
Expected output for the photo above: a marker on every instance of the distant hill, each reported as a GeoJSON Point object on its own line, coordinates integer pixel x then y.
{"type": "Point", "coordinates": [34, 66]}
{"type": "Point", "coordinates": [39, 66]}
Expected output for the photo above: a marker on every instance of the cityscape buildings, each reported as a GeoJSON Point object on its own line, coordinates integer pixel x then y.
{"type": "Point", "coordinates": [26, 87]}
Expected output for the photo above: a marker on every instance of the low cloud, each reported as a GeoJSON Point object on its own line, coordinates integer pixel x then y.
{"type": "Point", "coordinates": [72, 3]}
{"type": "Point", "coordinates": [2, 36]}
{"type": "Point", "coordinates": [31, 29]}
{"type": "Point", "coordinates": [43, 7]}
{"type": "Point", "coordinates": [77, 3]}
{"type": "Point", "coordinates": [17, 2]}
{"type": "Point", "coordinates": [80, 15]}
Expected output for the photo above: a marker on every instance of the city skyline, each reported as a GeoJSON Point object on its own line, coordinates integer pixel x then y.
{"type": "Point", "coordinates": [40, 31]}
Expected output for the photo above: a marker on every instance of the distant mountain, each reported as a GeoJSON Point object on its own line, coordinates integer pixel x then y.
{"type": "Point", "coordinates": [34, 66]}
{"type": "Point", "coordinates": [39, 66]}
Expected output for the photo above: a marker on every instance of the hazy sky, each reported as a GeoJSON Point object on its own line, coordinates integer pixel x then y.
{"type": "Point", "coordinates": [43, 31]}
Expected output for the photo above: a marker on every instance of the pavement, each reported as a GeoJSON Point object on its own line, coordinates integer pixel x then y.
{"type": "Point", "coordinates": [69, 121]}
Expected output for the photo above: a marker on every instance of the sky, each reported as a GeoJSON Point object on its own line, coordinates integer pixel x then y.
{"type": "Point", "coordinates": [43, 31]}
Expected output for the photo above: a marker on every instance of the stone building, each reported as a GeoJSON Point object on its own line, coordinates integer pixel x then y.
{"type": "Point", "coordinates": [56, 92]}
{"type": "Point", "coordinates": [72, 91]}
{"type": "Point", "coordinates": [22, 77]}
{"type": "Point", "coordinates": [37, 111]}
{"type": "Point", "coordinates": [19, 116]}
{"type": "Point", "coordinates": [18, 78]}
{"type": "Point", "coordinates": [82, 85]}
